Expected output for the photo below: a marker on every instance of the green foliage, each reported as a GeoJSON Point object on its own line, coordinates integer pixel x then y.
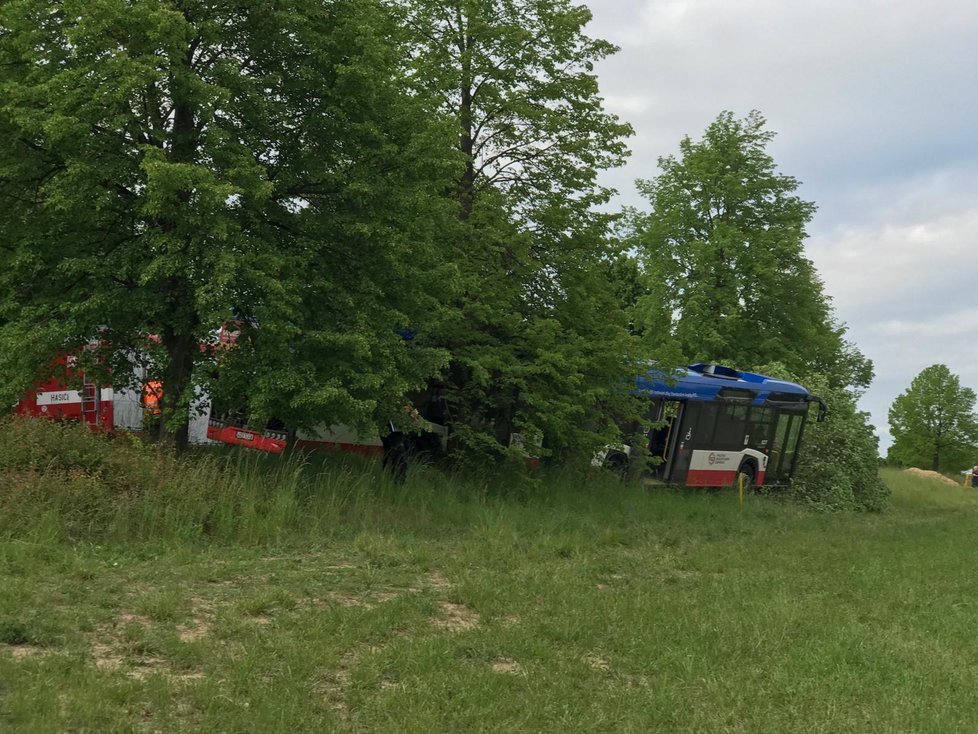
{"type": "Point", "coordinates": [64, 480]}
{"type": "Point", "coordinates": [537, 343]}
{"type": "Point", "coordinates": [166, 166]}
{"type": "Point", "coordinates": [722, 257]}
{"type": "Point", "coordinates": [332, 178]}
{"type": "Point", "coordinates": [624, 273]}
{"type": "Point", "coordinates": [838, 467]}
{"type": "Point", "coordinates": [722, 253]}
{"type": "Point", "coordinates": [517, 78]}
{"type": "Point", "coordinates": [933, 422]}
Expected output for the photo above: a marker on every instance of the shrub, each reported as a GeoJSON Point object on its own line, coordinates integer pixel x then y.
{"type": "Point", "coordinates": [838, 468]}
{"type": "Point", "coordinates": [66, 471]}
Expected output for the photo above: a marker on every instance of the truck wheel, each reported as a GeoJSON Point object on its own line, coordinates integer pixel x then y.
{"type": "Point", "coordinates": [397, 455]}
{"type": "Point", "coordinates": [618, 463]}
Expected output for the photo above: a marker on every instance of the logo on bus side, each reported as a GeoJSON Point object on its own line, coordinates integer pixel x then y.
{"type": "Point", "coordinates": [715, 458]}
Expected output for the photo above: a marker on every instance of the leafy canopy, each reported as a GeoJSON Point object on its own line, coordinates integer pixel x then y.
{"type": "Point", "coordinates": [536, 344]}
{"type": "Point", "coordinates": [168, 165]}
{"type": "Point", "coordinates": [838, 465]}
{"type": "Point", "coordinates": [722, 248]}
{"type": "Point", "coordinates": [726, 280]}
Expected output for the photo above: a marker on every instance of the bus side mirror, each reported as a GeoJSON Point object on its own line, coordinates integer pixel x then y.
{"type": "Point", "coordinates": [822, 407]}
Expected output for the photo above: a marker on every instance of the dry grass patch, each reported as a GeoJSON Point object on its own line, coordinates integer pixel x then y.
{"type": "Point", "coordinates": [129, 618]}
{"type": "Point", "coordinates": [111, 651]}
{"type": "Point", "coordinates": [597, 662]}
{"type": "Point", "coordinates": [198, 629]}
{"type": "Point", "coordinates": [23, 651]}
{"type": "Point", "coordinates": [507, 665]}
{"type": "Point", "coordinates": [927, 473]}
{"type": "Point", "coordinates": [438, 580]}
{"type": "Point", "coordinates": [456, 617]}
{"type": "Point", "coordinates": [199, 626]}
{"type": "Point", "coordinates": [335, 684]}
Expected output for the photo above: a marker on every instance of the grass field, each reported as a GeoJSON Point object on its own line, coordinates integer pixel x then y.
{"type": "Point", "coordinates": [593, 608]}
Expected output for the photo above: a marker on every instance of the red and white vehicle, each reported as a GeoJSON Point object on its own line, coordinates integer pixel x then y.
{"type": "Point", "coordinates": [717, 425]}
{"type": "Point", "coordinates": [89, 403]}
{"type": "Point", "coordinates": [74, 397]}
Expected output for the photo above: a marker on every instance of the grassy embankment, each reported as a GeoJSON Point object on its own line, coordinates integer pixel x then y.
{"type": "Point", "coordinates": [138, 594]}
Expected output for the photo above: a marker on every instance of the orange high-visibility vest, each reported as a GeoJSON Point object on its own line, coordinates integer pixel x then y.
{"type": "Point", "coordinates": [152, 394]}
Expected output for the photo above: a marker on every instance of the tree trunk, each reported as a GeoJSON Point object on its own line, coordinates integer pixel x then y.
{"type": "Point", "coordinates": [466, 141]}
{"type": "Point", "coordinates": [179, 334]}
{"type": "Point", "coordinates": [177, 381]}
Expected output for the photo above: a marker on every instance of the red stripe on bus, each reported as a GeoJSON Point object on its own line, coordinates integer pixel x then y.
{"type": "Point", "coordinates": [717, 478]}
{"type": "Point", "coordinates": [710, 477]}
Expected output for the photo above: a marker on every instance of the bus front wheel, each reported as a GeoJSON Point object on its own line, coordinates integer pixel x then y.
{"type": "Point", "coordinates": [749, 474]}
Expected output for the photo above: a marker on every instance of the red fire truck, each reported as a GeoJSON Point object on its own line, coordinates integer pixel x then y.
{"type": "Point", "coordinates": [73, 396]}
{"type": "Point", "coordinates": [89, 403]}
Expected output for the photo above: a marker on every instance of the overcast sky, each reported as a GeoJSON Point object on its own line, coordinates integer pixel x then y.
{"type": "Point", "coordinates": [874, 106]}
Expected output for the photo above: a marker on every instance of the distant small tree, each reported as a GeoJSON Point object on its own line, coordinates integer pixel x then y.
{"type": "Point", "coordinates": [933, 423]}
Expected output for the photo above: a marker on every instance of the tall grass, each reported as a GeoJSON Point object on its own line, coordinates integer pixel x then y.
{"type": "Point", "coordinates": [61, 481]}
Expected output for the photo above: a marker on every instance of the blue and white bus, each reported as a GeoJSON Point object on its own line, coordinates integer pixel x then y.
{"type": "Point", "coordinates": [716, 424]}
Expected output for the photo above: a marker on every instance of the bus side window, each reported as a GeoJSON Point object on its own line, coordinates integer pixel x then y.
{"type": "Point", "coordinates": [731, 427]}
{"type": "Point", "coordinates": [760, 428]}
{"type": "Point", "coordinates": [701, 420]}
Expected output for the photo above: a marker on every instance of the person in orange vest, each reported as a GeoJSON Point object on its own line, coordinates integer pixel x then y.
{"type": "Point", "coordinates": [152, 394]}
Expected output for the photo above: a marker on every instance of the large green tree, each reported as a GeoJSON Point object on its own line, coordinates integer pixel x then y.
{"type": "Point", "coordinates": [722, 249]}
{"type": "Point", "coordinates": [167, 165]}
{"type": "Point", "coordinates": [722, 255]}
{"type": "Point", "coordinates": [538, 343]}
{"type": "Point", "coordinates": [933, 422]}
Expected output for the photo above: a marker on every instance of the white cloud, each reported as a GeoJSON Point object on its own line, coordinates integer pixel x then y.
{"type": "Point", "coordinates": [628, 105]}
{"type": "Point", "coordinates": [899, 268]}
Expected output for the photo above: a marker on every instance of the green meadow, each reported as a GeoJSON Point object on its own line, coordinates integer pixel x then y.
{"type": "Point", "coordinates": [229, 593]}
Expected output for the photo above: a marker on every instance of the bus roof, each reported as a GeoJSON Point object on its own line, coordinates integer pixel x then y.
{"type": "Point", "coordinates": [713, 382]}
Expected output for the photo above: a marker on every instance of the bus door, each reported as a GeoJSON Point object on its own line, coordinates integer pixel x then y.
{"type": "Point", "coordinates": [792, 441]}
{"type": "Point", "coordinates": [663, 417]}
{"type": "Point", "coordinates": [787, 436]}
{"type": "Point", "coordinates": [693, 429]}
